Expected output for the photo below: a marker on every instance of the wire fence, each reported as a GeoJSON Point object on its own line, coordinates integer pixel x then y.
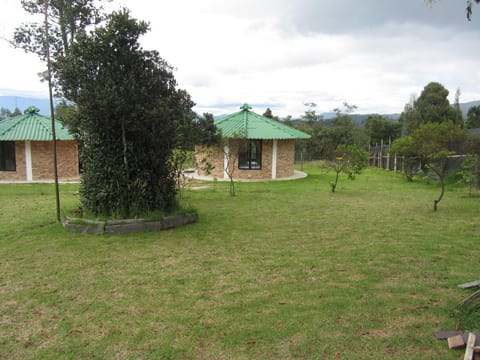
{"type": "Point", "coordinates": [380, 156]}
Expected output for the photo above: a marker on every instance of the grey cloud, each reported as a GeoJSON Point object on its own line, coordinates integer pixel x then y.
{"type": "Point", "coordinates": [342, 16]}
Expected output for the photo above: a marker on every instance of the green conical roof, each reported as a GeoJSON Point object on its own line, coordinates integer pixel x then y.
{"type": "Point", "coordinates": [249, 125]}
{"type": "Point", "coordinates": [32, 126]}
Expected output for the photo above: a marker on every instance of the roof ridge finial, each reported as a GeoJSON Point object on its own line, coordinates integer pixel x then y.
{"type": "Point", "coordinates": [31, 110]}
{"type": "Point", "coordinates": [245, 107]}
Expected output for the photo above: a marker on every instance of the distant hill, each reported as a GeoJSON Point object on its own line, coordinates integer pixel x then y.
{"type": "Point", "coordinates": [358, 119]}
{"type": "Point", "coordinates": [466, 106]}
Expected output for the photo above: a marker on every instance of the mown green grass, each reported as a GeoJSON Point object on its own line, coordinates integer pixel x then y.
{"type": "Point", "coordinates": [283, 270]}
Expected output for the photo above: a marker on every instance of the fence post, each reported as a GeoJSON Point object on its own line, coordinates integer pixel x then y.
{"type": "Point", "coordinates": [388, 152]}
{"type": "Point", "coordinates": [380, 155]}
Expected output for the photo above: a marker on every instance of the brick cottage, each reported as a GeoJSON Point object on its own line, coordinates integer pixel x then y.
{"type": "Point", "coordinates": [258, 147]}
{"type": "Point", "coordinates": [26, 149]}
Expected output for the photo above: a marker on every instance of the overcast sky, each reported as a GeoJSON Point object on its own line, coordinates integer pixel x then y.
{"type": "Point", "coordinates": [283, 53]}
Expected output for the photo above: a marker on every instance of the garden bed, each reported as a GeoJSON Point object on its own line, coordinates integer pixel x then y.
{"type": "Point", "coordinates": [127, 226]}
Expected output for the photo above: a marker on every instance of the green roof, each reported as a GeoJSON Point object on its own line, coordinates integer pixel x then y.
{"type": "Point", "coordinates": [247, 124]}
{"type": "Point", "coordinates": [32, 126]}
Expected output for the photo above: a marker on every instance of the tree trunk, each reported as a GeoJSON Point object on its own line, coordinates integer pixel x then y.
{"type": "Point", "coordinates": [441, 175]}
{"type": "Point", "coordinates": [435, 203]}
{"type": "Point", "coordinates": [52, 113]}
{"type": "Point", "coordinates": [127, 177]}
{"type": "Point", "coordinates": [232, 187]}
{"type": "Point", "coordinates": [334, 184]}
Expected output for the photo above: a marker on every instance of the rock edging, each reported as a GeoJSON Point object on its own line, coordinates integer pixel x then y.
{"type": "Point", "coordinates": [127, 226]}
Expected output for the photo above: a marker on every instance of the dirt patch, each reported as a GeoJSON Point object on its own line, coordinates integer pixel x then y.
{"type": "Point", "coordinates": [378, 333]}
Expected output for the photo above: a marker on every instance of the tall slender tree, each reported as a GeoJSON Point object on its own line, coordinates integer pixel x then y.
{"type": "Point", "coordinates": [458, 119]}
{"type": "Point", "coordinates": [66, 19]}
{"type": "Point", "coordinates": [52, 112]}
{"type": "Point", "coordinates": [409, 118]}
{"type": "Point", "coordinates": [52, 38]}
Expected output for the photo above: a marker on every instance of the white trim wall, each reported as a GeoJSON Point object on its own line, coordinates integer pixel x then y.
{"type": "Point", "coordinates": [28, 160]}
{"type": "Point", "coordinates": [274, 159]}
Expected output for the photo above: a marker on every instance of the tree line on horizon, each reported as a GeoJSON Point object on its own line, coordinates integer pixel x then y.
{"type": "Point", "coordinates": [432, 106]}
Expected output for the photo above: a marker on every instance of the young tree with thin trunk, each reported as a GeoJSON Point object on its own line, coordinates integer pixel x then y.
{"type": "Point", "coordinates": [350, 159]}
{"type": "Point", "coordinates": [231, 160]}
{"type": "Point", "coordinates": [231, 153]}
{"type": "Point", "coordinates": [432, 143]}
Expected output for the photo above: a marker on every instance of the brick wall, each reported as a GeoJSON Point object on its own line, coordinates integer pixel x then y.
{"type": "Point", "coordinates": [285, 160]}
{"type": "Point", "coordinates": [20, 174]}
{"type": "Point", "coordinates": [42, 161]}
{"type": "Point", "coordinates": [214, 155]}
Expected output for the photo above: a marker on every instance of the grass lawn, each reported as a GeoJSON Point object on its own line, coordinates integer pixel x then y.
{"type": "Point", "coordinates": [283, 270]}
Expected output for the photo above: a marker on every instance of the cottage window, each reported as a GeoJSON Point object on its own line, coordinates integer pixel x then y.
{"type": "Point", "coordinates": [7, 156]}
{"type": "Point", "coordinates": [250, 155]}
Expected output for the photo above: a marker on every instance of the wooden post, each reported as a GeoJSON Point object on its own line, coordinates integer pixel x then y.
{"type": "Point", "coordinates": [380, 155]}
{"type": "Point", "coordinates": [369, 153]}
{"type": "Point", "coordinates": [455, 342]}
{"type": "Point", "coordinates": [388, 160]}
{"type": "Point", "coordinates": [470, 284]}
{"type": "Point", "coordinates": [395, 163]}
{"type": "Point", "coordinates": [470, 346]}
{"type": "Point", "coordinates": [52, 113]}
{"type": "Point", "coordinates": [388, 153]}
